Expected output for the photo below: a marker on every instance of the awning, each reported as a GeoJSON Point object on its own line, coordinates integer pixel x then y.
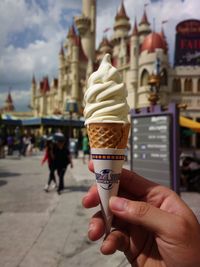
{"type": "Point", "coordinates": [10, 120]}
{"type": "Point", "coordinates": [188, 123]}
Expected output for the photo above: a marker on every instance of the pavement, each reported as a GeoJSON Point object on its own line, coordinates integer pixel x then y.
{"type": "Point", "coordinates": [39, 229]}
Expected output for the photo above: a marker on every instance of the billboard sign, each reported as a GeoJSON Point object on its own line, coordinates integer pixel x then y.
{"type": "Point", "coordinates": [155, 144]}
{"type": "Point", "coordinates": [187, 47]}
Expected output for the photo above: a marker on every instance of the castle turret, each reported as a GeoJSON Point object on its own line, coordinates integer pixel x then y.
{"type": "Point", "coordinates": [33, 91]}
{"type": "Point", "coordinates": [134, 53]}
{"type": "Point", "coordinates": [86, 25]}
{"type": "Point", "coordinates": [75, 69]}
{"type": "Point", "coordinates": [122, 25]}
{"type": "Point", "coordinates": [144, 27]}
{"type": "Point", "coordinates": [9, 106]}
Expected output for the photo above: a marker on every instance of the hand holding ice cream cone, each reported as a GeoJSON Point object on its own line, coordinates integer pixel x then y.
{"type": "Point", "coordinates": [106, 114]}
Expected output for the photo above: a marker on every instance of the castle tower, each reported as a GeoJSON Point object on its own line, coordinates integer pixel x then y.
{"type": "Point", "coordinates": [144, 27]}
{"type": "Point", "coordinates": [121, 25]}
{"type": "Point", "coordinates": [134, 51]}
{"type": "Point", "coordinates": [75, 69]}
{"type": "Point", "coordinates": [9, 107]}
{"type": "Point", "coordinates": [86, 25]}
{"type": "Point", "coordinates": [61, 74]}
{"type": "Point", "coordinates": [33, 91]}
{"type": "Point", "coordinates": [153, 48]}
{"type": "Point", "coordinates": [134, 58]}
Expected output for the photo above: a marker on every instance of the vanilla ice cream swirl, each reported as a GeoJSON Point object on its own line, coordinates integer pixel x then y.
{"type": "Point", "coordinates": [105, 98]}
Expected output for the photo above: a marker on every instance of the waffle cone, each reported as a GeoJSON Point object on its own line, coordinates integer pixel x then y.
{"type": "Point", "coordinates": [108, 135]}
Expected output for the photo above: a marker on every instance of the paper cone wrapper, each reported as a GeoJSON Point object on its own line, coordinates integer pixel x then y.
{"type": "Point", "coordinates": [108, 164]}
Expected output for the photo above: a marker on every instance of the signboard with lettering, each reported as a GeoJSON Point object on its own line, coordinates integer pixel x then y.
{"type": "Point", "coordinates": [154, 146]}
{"type": "Point", "coordinates": [151, 148]}
{"type": "Point", "coordinates": [187, 47]}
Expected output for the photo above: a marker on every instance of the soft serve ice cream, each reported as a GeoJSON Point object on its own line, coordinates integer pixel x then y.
{"type": "Point", "coordinates": [106, 117]}
{"type": "Point", "coordinates": [105, 97]}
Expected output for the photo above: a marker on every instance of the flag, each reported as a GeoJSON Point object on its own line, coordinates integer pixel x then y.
{"type": "Point", "coordinates": [164, 21]}
{"type": "Point", "coordinates": [106, 30]}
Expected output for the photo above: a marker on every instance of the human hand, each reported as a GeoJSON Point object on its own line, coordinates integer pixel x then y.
{"type": "Point", "coordinates": [153, 226]}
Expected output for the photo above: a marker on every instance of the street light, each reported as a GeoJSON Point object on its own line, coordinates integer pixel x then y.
{"type": "Point", "coordinates": [154, 82]}
{"type": "Point", "coordinates": [71, 107]}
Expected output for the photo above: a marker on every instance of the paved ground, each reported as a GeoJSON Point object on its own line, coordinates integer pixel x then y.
{"type": "Point", "coordinates": [46, 230]}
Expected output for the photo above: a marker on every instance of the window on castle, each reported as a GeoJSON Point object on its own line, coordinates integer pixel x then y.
{"type": "Point", "coordinates": [198, 86]}
{"type": "Point", "coordinates": [176, 85]}
{"type": "Point", "coordinates": [135, 50]}
{"type": "Point", "coordinates": [188, 85]}
{"type": "Point", "coordinates": [144, 78]}
{"type": "Point", "coordinates": [164, 77]}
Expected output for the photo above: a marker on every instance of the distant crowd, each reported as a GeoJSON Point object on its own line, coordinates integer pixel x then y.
{"type": "Point", "coordinates": [20, 144]}
{"type": "Point", "coordinates": [27, 143]}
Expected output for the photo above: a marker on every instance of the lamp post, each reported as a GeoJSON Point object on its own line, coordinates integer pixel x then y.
{"type": "Point", "coordinates": [71, 107]}
{"type": "Point", "coordinates": [154, 82]}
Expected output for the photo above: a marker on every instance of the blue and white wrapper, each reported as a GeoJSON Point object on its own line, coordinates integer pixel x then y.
{"type": "Point", "coordinates": [108, 164]}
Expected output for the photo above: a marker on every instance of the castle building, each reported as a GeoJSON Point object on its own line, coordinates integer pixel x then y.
{"type": "Point", "coordinates": [134, 48]}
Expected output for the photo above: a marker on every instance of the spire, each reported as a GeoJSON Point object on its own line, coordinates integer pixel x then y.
{"type": "Point", "coordinates": [162, 33]}
{"type": "Point", "coordinates": [62, 53]}
{"type": "Point", "coordinates": [121, 14]}
{"type": "Point", "coordinates": [71, 32]}
{"type": "Point", "coordinates": [46, 87]}
{"type": "Point", "coordinates": [33, 80]}
{"type": "Point", "coordinates": [144, 19]}
{"type": "Point", "coordinates": [135, 29]}
{"type": "Point", "coordinates": [9, 98]}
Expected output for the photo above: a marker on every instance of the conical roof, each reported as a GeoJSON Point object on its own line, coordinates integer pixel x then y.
{"type": "Point", "coordinates": [121, 13]}
{"type": "Point", "coordinates": [71, 32]}
{"type": "Point", "coordinates": [144, 19]}
{"type": "Point", "coordinates": [135, 29]}
{"type": "Point", "coordinates": [9, 98]}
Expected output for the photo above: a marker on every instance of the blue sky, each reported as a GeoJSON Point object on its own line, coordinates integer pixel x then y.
{"type": "Point", "coordinates": [31, 32]}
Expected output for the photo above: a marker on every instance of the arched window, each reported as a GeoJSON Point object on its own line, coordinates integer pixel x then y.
{"type": "Point", "coordinates": [144, 78]}
{"type": "Point", "coordinates": [188, 85]}
{"type": "Point", "coordinates": [164, 77]}
{"type": "Point", "coordinates": [198, 85]}
{"type": "Point", "coordinates": [176, 85]}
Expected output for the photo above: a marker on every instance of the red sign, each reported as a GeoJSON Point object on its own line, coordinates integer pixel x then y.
{"type": "Point", "coordinates": [187, 50]}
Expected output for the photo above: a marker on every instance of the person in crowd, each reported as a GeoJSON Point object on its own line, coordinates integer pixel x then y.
{"type": "Point", "coordinates": [10, 144]}
{"type": "Point", "coordinates": [85, 147]}
{"type": "Point", "coordinates": [49, 156]}
{"type": "Point", "coordinates": [62, 159]}
{"type": "Point", "coordinates": [152, 226]}
{"type": "Point", "coordinates": [2, 154]}
{"type": "Point", "coordinates": [18, 141]}
{"type": "Point", "coordinates": [25, 143]}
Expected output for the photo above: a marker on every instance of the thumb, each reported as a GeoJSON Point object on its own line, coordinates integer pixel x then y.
{"type": "Point", "coordinates": [144, 214]}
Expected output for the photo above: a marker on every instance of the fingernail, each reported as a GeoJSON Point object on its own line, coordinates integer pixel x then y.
{"type": "Point", "coordinates": [86, 196]}
{"type": "Point", "coordinates": [91, 227]}
{"type": "Point", "coordinates": [118, 204]}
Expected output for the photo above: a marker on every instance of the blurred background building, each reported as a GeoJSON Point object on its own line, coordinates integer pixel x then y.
{"type": "Point", "coordinates": [137, 50]}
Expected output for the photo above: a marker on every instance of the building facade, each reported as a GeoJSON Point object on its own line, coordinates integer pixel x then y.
{"type": "Point", "coordinates": [134, 48]}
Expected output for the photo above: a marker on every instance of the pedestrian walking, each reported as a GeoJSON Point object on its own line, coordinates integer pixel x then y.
{"type": "Point", "coordinates": [62, 159]}
{"type": "Point", "coordinates": [49, 156]}
{"type": "Point", "coordinates": [10, 143]}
